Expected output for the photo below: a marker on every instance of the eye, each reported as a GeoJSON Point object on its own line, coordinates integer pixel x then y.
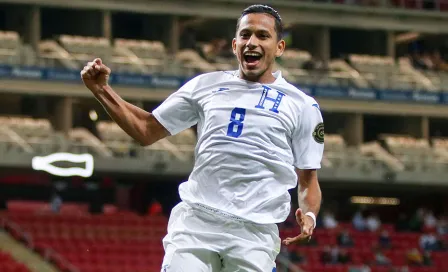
{"type": "Point", "coordinates": [245, 35]}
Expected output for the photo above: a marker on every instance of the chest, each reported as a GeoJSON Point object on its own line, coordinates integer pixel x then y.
{"type": "Point", "coordinates": [244, 111]}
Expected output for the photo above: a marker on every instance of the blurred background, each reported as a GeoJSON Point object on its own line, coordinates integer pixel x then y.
{"type": "Point", "coordinates": [378, 68]}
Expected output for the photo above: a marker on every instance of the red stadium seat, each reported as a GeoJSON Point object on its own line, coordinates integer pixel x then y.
{"type": "Point", "coordinates": [9, 264]}
{"type": "Point", "coordinates": [363, 250]}
{"type": "Point", "coordinates": [119, 242]}
{"type": "Point", "coordinates": [116, 242]}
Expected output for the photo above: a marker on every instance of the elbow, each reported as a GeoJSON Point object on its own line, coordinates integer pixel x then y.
{"type": "Point", "coordinates": [148, 139]}
{"type": "Point", "coordinates": [146, 142]}
{"type": "Point", "coordinates": [151, 131]}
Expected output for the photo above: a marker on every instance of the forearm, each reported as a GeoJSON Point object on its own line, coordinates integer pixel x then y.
{"type": "Point", "coordinates": [309, 193]}
{"type": "Point", "coordinates": [310, 199]}
{"type": "Point", "coordinates": [129, 117]}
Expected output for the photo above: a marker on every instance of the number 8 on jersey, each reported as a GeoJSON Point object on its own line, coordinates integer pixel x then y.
{"type": "Point", "coordinates": [236, 124]}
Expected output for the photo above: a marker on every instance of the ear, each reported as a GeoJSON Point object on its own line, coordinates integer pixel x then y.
{"type": "Point", "coordinates": [234, 46]}
{"type": "Point", "coordinates": [280, 48]}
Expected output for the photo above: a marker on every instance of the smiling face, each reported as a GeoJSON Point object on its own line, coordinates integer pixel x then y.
{"type": "Point", "coordinates": [256, 46]}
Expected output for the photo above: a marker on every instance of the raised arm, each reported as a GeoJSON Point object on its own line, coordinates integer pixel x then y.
{"type": "Point", "coordinates": [136, 122]}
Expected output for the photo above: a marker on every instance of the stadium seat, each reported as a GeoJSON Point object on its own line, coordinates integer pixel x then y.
{"type": "Point", "coordinates": [9, 264]}
{"type": "Point", "coordinates": [384, 73]}
{"type": "Point", "coordinates": [121, 242]}
{"type": "Point", "coordinates": [417, 156]}
{"type": "Point", "coordinates": [363, 252]}
{"type": "Point", "coordinates": [9, 47]}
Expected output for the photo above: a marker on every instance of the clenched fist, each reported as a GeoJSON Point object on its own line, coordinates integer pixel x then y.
{"type": "Point", "coordinates": [95, 75]}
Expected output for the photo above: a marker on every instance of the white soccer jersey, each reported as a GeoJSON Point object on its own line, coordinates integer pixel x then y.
{"type": "Point", "coordinates": [250, 138]}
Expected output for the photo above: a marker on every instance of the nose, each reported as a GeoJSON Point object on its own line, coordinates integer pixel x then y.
{"type": "Point", "coordinates": [252, 43]}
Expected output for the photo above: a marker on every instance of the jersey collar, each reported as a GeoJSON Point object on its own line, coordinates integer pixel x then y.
{"type": "Point", "coordinates": [277, 74]}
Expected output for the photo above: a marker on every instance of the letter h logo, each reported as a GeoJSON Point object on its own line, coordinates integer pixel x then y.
{"type": "Point", "coordinates": [264, 97]}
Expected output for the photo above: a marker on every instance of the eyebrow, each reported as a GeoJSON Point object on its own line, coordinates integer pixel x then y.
{"type": "Point", "coordinates": [258, 30]}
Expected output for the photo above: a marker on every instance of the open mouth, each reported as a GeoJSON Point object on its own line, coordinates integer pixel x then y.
{"type": "Point", "coordinates": [252, 58]}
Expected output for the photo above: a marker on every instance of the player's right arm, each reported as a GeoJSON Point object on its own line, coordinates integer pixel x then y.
{"type": "Point", "coordinates": [136, 122]}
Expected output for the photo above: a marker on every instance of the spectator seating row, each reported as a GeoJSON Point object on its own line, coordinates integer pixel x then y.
{"type": "Point", "coordinates": [418, 155]}
{"type": "Point", "coordinates": [36, 136]}
{"type": "Point", "coordinates": [9, 264]}
{"type": "Point", "coordinates": [149, 57]}
{"type": "Point", "coordinates": [9, 47]}
{"type": "Point", "coordinates": [371, 160]}
{"type": "Point", "coordinates": [118, 242]}
{"type": "Point", "coordinates": [385, 73]}
{"type": "Point", "coordinates": [362, 251]}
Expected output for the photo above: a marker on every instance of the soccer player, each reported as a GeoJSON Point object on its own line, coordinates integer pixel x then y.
{"type": "Point", "coordinates": [257, 134]}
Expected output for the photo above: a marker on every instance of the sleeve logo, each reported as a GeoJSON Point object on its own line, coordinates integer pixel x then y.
{"type": "Point", "coordinates": [318, 133]}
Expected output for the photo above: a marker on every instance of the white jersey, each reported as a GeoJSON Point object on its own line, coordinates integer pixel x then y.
{"type": "Point", "coordinates": [251, 136]}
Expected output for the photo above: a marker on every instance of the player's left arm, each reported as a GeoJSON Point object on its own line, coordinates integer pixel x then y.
{"type": "Point", "coordinates": [310, 197]}
{"type": "Point", "coordinates": [308, 147]}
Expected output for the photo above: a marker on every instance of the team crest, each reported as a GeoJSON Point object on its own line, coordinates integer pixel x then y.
{"type": "Point", "coordinates": [318, 133]}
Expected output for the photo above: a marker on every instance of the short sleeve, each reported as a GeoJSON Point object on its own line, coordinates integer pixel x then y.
{"type": "Point", "coordinates": [178, 112]}
{"type": "Point", "coordinates": [308, 138]}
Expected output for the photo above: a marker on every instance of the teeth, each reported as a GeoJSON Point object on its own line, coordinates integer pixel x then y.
{"type": "Point", "coordinates": [253, 54]}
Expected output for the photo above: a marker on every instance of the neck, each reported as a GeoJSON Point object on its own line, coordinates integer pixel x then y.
{"type": "Point", "coordinates": [265, 78]}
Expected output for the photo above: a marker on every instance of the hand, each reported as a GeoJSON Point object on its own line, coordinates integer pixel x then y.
{"type": "Point", "coordinates": [306, 224]}
{"type": "Point", "coordinates": [95, 75]}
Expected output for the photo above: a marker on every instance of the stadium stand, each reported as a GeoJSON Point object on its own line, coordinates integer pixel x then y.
{"type": "Point", "coordinates": [126, 242]}
{"type": "Point", "coordinates": [15, 256]}
{"type": "Point", "coordinates": [363, 250]}
{"type": "Point", "coordinates": [115, 242]}
{"type": "Point", "coordinates": [122, 241]}
{"type": "Point", "coordinates": [138, 56]}
{"type": "Point", "coordinates": [151, 57]}
{"type": "Point", "coordinates": [440, 146]}
{"type": "Point", "coordinates": [9, 264]}
{"type": "Point", "coordinates": [368, 161]}
{"type": "Point", "coordinates": [438, 79]}
{"type": "Point", "coordinates": [82, 49]}
{"type": "Point", "coordinates": [417, 156]}
{"type": "Point", "coordinates": [125, 56]}
{"type": "Point", "coordinates": [76, 241]}
{"type": "Point", "coordinates": [384, 73]}
{"type": "Point", "coordinates": [36, 136]}
{"type": "Point", "coordinates": [9, 47]}
{"type": "Point", "coordinates": [180, 146]}
{"type": "Point", "coordinates": [300, 67]}
{"type": "Point", "coordinates": [36, 133]}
